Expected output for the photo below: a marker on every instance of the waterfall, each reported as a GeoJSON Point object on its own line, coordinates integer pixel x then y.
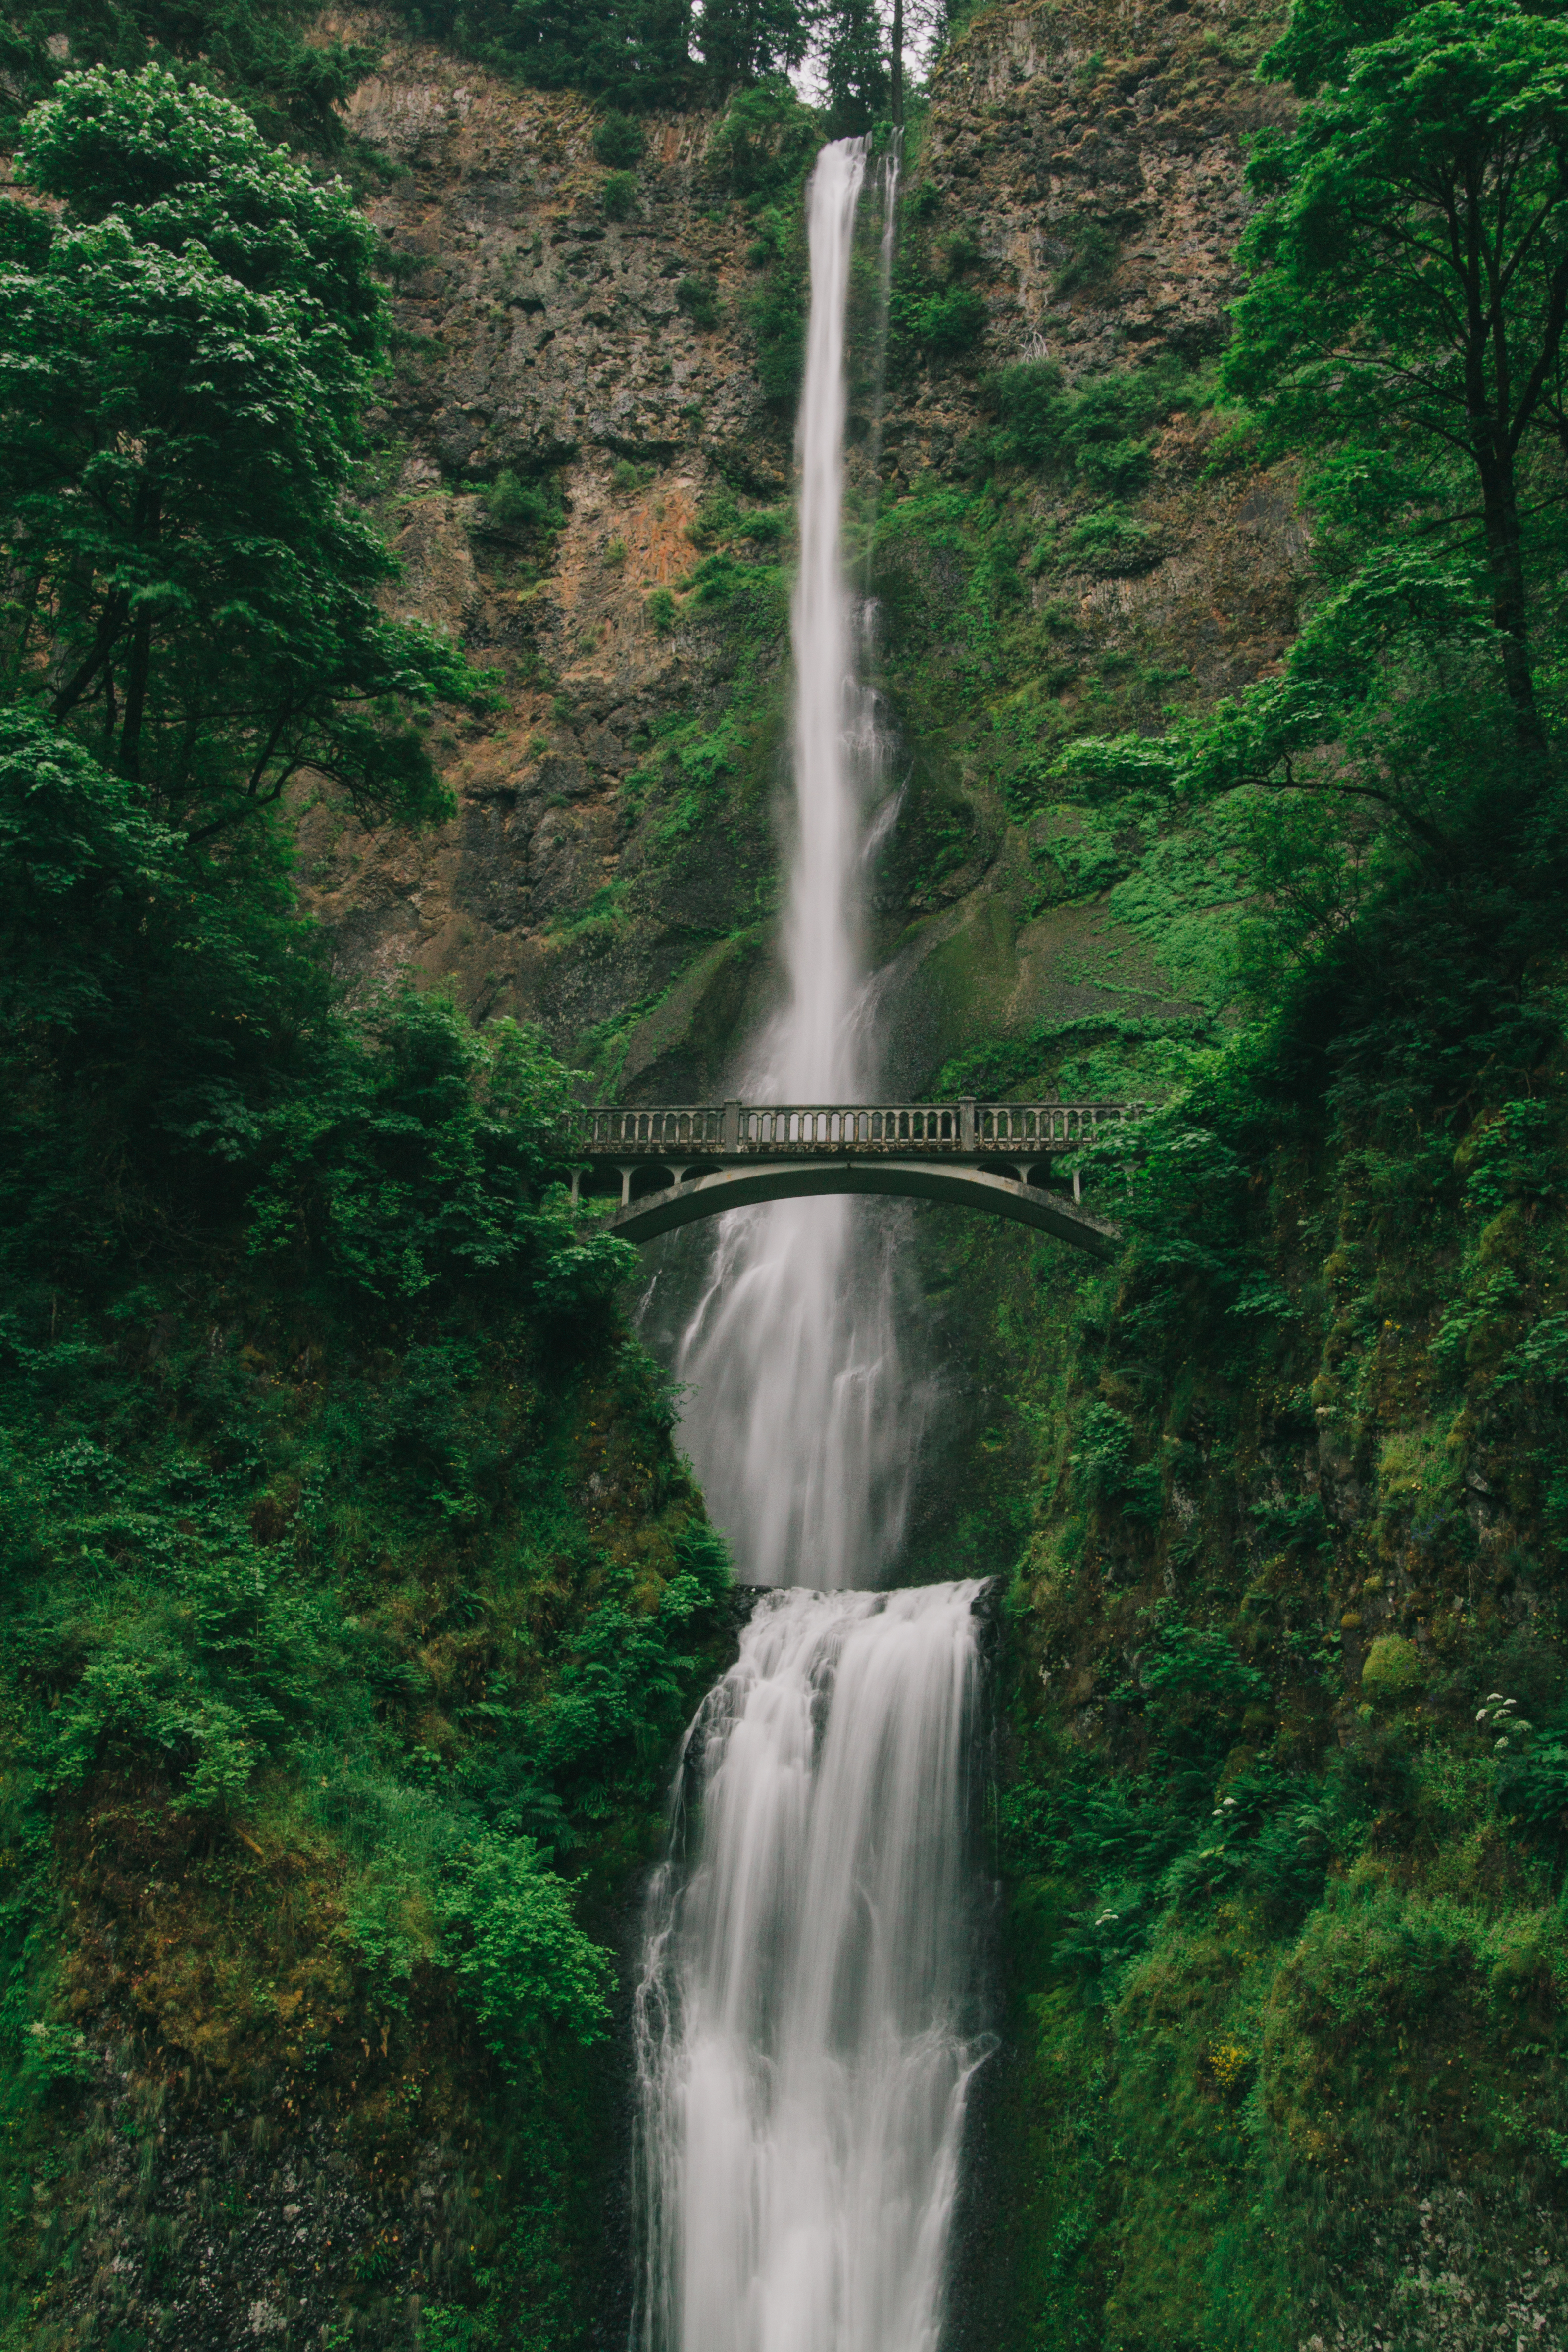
{"type": "Point", "coordinates": [801, 1427]}
{"type": "Point", "coordinates": [804, 2046]}
{"type": "Point", "coordinates": [804, 2031]}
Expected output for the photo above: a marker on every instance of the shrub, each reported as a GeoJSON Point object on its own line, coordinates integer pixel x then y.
{"type": "Point", "coordinates": [716, 519]}
{"type": "Point", "coordinates": [1392, 1668]}
{"type": "Point", "coordinates": [660, 608]}
{"type": "Point", "coordinates": [626, 477]}
{"type": "Point", "coordinates": [1092, 258]}
{"type": "Point", "coordinates": [619, 141]}
{"type": "Point", "coordinates": [699, 298]}
{"type": "Point", "coordinates": [951, 321]}
{"type": "Point", "coordinates": [1093, 431]}
{"type": "Point", "coordinates": [520, 1955]}
{"type": "Point", "coordinates": [767, 139]}
{"type": "Point", "coordinates": [1532, 1790]}
{"type": "Point", "coordinates": [778, 323]}
{"type": "Point", "coordinates": [1108, 543]}
{"type": "Point", "coordinates": [616, 553]}
{"type": "Point", "coordinates": [1118, 466]}
{"type": "Point", "coordinates": [515, 506]}
{"type": "Point", "coordinates": [619, 194]}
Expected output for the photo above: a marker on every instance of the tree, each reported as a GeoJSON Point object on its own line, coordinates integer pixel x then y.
{"type": "Point", "coordinates": [744, 41]}
{"type": "Point", "coordinates": [294, 86]}
{"type": "Point", "coordinates": [185, 353]}
{"type": "Point", "coordinates": [855, 66]}
{"type": "Point", "coordinates": [1410, 281]}
{"type": "Point", "coordinates": [631, 53]}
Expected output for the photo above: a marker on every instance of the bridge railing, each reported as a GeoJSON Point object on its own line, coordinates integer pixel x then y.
{"type": "Point", "coordinates": [964, 1128]}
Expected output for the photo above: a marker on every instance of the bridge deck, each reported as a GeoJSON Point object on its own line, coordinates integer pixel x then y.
{"type": "Point", "coordinates": [962, 1128]}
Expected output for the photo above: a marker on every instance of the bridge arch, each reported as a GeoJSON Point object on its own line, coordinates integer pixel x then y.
{"type": "Point", "coordinates": [709, 1192]}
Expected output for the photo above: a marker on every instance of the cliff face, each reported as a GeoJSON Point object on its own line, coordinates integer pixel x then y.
{"type": "Point", "coordinates": [611, 870]}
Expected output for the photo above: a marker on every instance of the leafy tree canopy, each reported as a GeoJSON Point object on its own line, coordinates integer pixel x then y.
{"type": "Point", "coordinates": [269, 54]}
{"type": "Point", "coordinates": [1410, 283]}
{"type": "Point", "coordinates": [185, 351]}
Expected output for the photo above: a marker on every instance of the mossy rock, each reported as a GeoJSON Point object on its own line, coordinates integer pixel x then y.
{"type": "Point", "coordinates": [1392, 1668]}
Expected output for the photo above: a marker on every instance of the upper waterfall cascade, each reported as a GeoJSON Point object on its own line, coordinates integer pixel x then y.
{"type": "Point", "coordinates": [802, 1425]}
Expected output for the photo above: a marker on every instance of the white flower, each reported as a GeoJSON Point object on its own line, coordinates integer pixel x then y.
{"type": "Point", "coordinates": [1496, 1744]}
{"type": "Point", "coordinates": [1481, 1715]}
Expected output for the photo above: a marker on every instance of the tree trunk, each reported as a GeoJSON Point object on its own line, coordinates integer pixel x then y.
{"type": "Point", "coordinates": [1510, 614]}
{"type": "Point", "coordinates": [899, 61]}
{"type": "Point", "coordinates": [135, 697]}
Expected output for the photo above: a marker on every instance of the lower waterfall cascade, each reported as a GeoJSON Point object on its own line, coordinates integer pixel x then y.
{"type": "Point", "coordinates": [805, 2028]}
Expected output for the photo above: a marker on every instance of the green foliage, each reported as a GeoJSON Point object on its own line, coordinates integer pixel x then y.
{"type": "Point", "coordinates": [1108, 543]}
{"type": "Point", "coordinates": [211, 627]}
{"type": "Point", "coordinates": [766, 141]}
{"type": "Point", "coordinates": [525, 510]}
{"type": "Point", "coordinates": [1392, 1668]}
{"type": "Point", "coordinates": [947, 322]}
{"type": "Point", "coordinates": [1093, 432]}
{"type": "Point", "coordinates": [632, 57]}
{"type": "Point", "coordinates": [619, 195]}
{"type": "Point", "coordinates": [1286, 1861]}
{"type": "Point", "coordinates": [1092, 260]}
{"type": "Point", "coordinates": [856, 69]}
{"type": "Point", "coordinates": [721, 520]}
{"type": "Point", "coordinates": [347, 1553]}
{"type": "Point", "coordinates": [266, 54]}
{"type": "Point", "coordinates": [699, 298]}
{"type": "Point", "coordinates": [1410, 281]}
{"type": "Point", "coordinates": [522, 1957]}
{"type": "Point", "coordinates": [619, 142]}
{"type": "Point", "coordinates": [390, 1157]}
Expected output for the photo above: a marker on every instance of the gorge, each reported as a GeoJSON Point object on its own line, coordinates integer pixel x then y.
{"type": "Point", "coordinates": [856, 1775]}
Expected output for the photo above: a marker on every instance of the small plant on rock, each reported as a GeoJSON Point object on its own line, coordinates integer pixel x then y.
{"type": "Point", "coordinates": [699, 298]}
{"type": "Point", "coordinates": [619, 141]}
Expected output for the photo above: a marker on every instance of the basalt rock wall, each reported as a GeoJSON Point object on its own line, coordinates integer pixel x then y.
{"type": "Point", "coordinates": [611, 870]}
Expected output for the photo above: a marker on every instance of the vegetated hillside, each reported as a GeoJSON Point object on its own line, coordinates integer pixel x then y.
{"type": "Point", "coordinates": [354, 1594]}
{"type": "Point", "coordinates": [1284, 1796]}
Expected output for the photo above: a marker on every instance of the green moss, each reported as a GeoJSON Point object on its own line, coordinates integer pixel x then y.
{"type": "Point", "coordinates": [1392, 1668]}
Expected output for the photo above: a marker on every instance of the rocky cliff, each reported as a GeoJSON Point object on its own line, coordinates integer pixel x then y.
{"type": "Point", "coordinates": [611, 868]}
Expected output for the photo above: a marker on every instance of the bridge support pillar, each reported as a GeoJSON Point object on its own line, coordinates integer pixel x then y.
{"type": "Point", "coordinates": [1076, 1185]}
{"type": "Point", "coordinates": [625, 1176]}
{"type": "Point", "coordinates": [731, 1127]}
{"type": "Point", "coordinates": [966, 1123]}
{"type": "Point", "coordinates": [576, 1184]}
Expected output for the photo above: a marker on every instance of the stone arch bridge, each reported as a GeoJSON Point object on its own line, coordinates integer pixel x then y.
{"type": "Point", "coordinates": [666, 1167]}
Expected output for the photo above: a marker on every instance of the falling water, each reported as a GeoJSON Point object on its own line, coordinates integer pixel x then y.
{"type": "Point", "coordinates": [805, 2035]}
{"type": "Point", "coordinates": [803, 2044]}
{"type": "Point", "coordinates": [801, 1428]}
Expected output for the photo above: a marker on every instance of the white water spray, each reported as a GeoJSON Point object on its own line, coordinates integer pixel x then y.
{"type": "Point", "coordinates": [803, 2045]}
{"type": "Point", "coordinates": [804, 1443]}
